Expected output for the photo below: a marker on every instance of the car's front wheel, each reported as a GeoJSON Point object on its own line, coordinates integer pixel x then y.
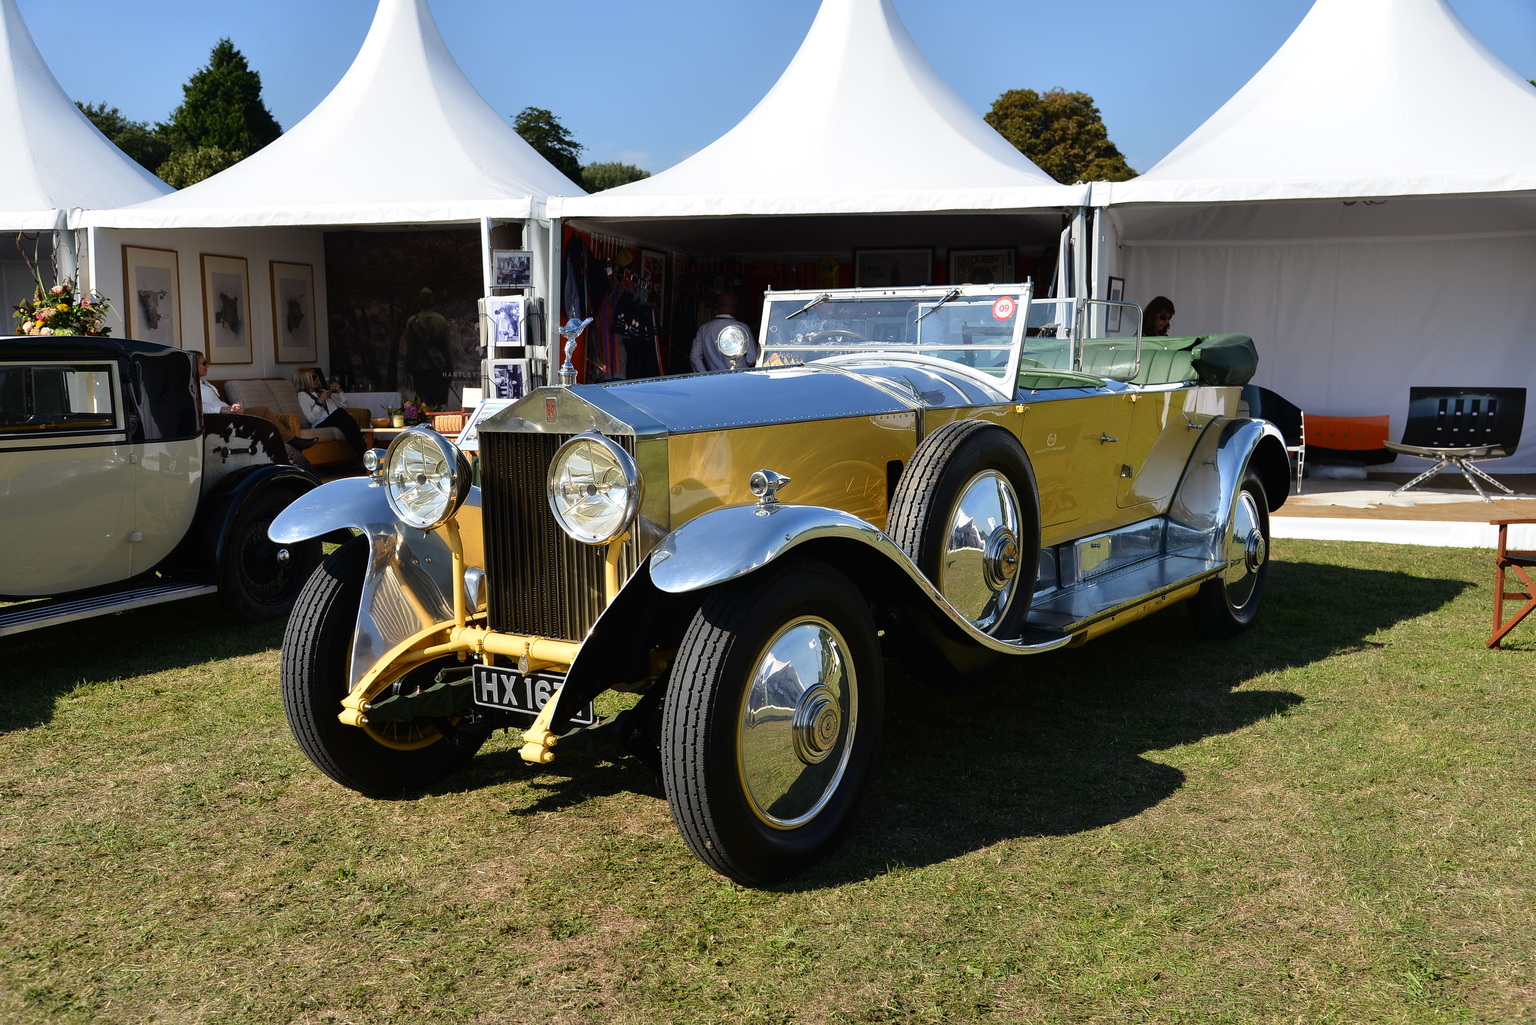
{"type": "Point", "coordinates": [771, 719]}
{"type": "Point", "coordinates": [375, 759]}
{"type": "Point", "coordinates": [1228, 603]}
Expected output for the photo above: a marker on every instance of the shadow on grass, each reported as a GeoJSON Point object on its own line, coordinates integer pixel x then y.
{"type": "Point", "coordinates": [42, 665]}
{"type": "Point", "coordinates": [1054, 744]}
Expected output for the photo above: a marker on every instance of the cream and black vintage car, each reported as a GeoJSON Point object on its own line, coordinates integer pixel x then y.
{"type": "Point", "coordinates": [950, 476]}
{"type": "Point", "coordinates": [117, 493]}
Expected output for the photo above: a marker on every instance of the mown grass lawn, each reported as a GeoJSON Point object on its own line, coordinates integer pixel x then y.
{"type": "Point", "coordinates": [1329, 820]}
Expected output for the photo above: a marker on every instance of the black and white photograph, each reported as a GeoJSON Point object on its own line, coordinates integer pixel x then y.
{"type": "Point", "coordinates": [501, 323]}
{"type": "Point", "coordinates": [509, 378]}
{"type": "Point", "coordinates": [513, 267]}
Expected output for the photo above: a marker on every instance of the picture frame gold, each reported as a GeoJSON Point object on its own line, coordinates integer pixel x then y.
{"type": "Point", "coordinates": [227, 309]}
{"type": "Point", "coordinates": [293, 312]}
{"type": "Point", "coordinates": [152, 295]}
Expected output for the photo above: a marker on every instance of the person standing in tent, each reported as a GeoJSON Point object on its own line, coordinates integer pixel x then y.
{"type": "Point", "coordinates": [428, 354]}
{"type": "Point", "coordinates": [705, 355]}
{"type": "Point", "coordinates": [1157, 317]}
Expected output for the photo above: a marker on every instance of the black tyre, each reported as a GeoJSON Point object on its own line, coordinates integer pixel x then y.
{"type": "Point", "coordinates": [967, 512]}
{"type": "Point", "coordinates": [771, 719]}
{"type": "Point", "coordinates": [377, 760]}
{"type": "Point", "coordinates": [260, 579]}
{"type": "Point", "coordinates": [1228, 604]}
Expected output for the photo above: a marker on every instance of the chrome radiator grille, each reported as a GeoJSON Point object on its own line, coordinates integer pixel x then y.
{"type": "Point", "coordinates": [539, 581]}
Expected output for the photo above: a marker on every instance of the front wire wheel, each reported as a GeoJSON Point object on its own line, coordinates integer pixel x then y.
{"type": "Point", "coordinates": [376, 760]}
{"type": "Point", "coordinates": [1228, 604]}
{"type": "Point", "coordinates": [771, 719]}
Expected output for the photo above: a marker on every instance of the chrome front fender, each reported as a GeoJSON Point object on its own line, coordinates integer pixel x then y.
{"type": "Point", "coordinates": [409, 584]}
{"type": "Point", "coordinates": [730, 543]}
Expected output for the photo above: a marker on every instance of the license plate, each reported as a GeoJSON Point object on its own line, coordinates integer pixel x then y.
{"type": "Point", "coordinates": [525, 693]}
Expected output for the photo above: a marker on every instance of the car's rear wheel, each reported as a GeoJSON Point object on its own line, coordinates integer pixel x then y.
{"type": "Point", "coordinates": [967, 513]}
{"type": "Point", "coordinates": [771, 719]}
{"type": "Point", "coordinates": [260, 579]}
{"type": "Point", "coordinates": [378, 759]}
{"type": "Point", "coordinates": [1228, 603]}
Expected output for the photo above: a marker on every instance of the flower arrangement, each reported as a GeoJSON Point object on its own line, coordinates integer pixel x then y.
{"type": "Point", "coordinates": [412, 413]}
{"type": "Point", "coordinates": [416, 411]}
{"type": "Point", "coordinates": [61, 310]}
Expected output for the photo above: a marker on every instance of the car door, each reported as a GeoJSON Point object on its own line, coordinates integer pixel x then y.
{"type": "Point", "coordinates": [66, 477]}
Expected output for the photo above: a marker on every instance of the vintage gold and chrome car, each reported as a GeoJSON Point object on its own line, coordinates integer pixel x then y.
{"type": "Point", "coordinates": [947, 476]}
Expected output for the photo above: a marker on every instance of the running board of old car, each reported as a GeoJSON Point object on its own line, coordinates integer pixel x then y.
{"type": "Point", "coordinates": [36, 615]}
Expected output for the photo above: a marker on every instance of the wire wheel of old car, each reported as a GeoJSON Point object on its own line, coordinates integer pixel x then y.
{"type": "Point", "coordinates": [771, 718]}
{"type": "Point", "coordinates": [260, 579]}
{"type": "Point", "coordinates": [967, 513]}
{"type": "Point", "coordinates": [1228, 603]}
{"type": "Point", "coordinates": [377, 759]}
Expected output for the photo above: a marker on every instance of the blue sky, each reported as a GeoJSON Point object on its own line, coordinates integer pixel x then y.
{"type": "Point", "coordinates": [650, 83]}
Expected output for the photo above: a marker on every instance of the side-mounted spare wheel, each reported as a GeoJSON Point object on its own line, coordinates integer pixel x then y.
{"type": "Point", "coordinates": [967, 511]}
{"type": "Point", "coordinates": [771, 718]}
{"type": "Point", "coordinates": [375, 759]}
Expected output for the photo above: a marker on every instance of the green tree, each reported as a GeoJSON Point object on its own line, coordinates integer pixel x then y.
{"type": "Point", "coordinates": [190, 166]}
{"type": "Point", "coordinates": [1061, 132]}
{"type": "Point", "coordinates": [600, 176]}
{"type": "Point", "coordinates": [553, 141]}
{"type": "Point", "coordinates": [222, 108]}
{"type": "Point", "coordinates": [139, 139]}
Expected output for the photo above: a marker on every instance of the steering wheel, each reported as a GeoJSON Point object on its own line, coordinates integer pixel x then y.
{"type": "Point", "coordinates": [826, 337]}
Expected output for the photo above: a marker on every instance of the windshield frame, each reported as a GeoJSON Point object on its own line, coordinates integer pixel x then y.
{"type": "Point", "coordinates": [782, 309]}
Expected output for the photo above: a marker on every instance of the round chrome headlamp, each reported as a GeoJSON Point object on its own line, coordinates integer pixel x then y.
{"type": "Point", "coordinates": [594, 489]}
{"type": "Point", "coordinates": [425, 477]}
{"type": "Point", "coordinates": [732, 341]}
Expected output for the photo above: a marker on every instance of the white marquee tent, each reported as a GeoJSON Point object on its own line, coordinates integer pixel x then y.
{"type": "Point", "coordinates": [859, 124]}
{"type": "Point", "coordinates": [403, 138]}
{"type": "Point", "coordinates": [1365, 207]}
{"type": "Point", "coordinates": [56, 161]}
{"type": "Point", "coordinates": [402, 141]}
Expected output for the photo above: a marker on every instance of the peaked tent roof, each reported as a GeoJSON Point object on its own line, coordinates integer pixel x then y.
{"type": "Point", "coordinates": [858, 123]}
{"type": "Point", "coordinates": [55, 158]}
{"type": "Point", "coordinates": [404, 138]}
{"type": "Point", "coordinates": [1366, 98]}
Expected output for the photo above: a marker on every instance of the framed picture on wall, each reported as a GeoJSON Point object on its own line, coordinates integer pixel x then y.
{"type": "Point", "coordinates": [892, 268]}
{"type": "Point", "coordinates": [513, 267]}
{"type": "Point", "coordinates": [980, 266]}
{"type": "Point", "coordinates": [226, 308]}
{"type": "Point", "coordinates": [293, 312]}
{"type": "Point", "coordinates": [1116, 294]}
{"type": "Point", "coordinates": [152, 294]}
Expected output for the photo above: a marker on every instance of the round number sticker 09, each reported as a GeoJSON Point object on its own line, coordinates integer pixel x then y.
{"type": "Point", "coordinates": [1004, 307]}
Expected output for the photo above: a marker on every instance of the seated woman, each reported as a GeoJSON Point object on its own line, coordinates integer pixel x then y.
{"type": "Point", "coordinates": [213, 402]}
{"type": "Point", "coordinates": [324, 405]}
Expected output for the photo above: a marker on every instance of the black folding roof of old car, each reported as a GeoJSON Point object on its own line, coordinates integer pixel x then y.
{"type": "Point", "coordinates": [31, 347]}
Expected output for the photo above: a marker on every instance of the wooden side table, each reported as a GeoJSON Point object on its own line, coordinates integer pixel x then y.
{"type": "Point", "coordinates": [1520, 561]}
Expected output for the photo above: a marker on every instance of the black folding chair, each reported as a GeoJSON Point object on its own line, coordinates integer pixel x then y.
{"type": "Point", "coordinates": [1458, 426]}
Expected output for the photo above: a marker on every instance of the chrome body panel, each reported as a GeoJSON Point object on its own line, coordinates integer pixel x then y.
{"type": "Point", "coordinates": [1080, 583]}
{"type": "Point", "coordinates": [409, 583]}
{"type": "Point", "coordinates": [730, 543]}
